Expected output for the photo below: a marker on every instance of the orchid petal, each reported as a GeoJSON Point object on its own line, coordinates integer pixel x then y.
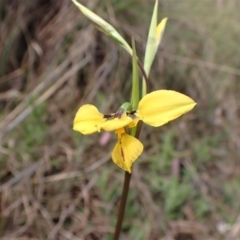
{"type": "Point", "coordinates": [159, 107]}
{"type": "Point", "coordinates": [116, 123]}
{"type": "Point", "coordinates": [126, 151]}
{"type": "Point", "coordinates": [88, 119]}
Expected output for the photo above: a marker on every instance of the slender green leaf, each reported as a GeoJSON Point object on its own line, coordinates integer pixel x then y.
{"type": "Point", "coordinates": [151, 41]}
{"type": "Point", "coordinates": [103, 26]}
{"type": "Point", "coordinates": [154, 38]}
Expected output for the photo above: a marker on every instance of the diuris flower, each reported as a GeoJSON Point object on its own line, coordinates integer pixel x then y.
{"type": "Point", "coordinates": [155, 109]}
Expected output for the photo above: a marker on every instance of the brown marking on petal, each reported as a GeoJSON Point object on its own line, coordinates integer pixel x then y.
{"type": "Point", "coordinates": [121, 149]}
{"type": "Point", "coordinates": [108, 116]}
{"type": "Point", "coordinates": [122, 153]}
{"type": "Point", "coordinates": [131, 114]}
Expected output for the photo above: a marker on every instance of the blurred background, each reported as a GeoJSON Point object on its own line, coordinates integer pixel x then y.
{"type": "Point", "coordinates": [59, 184]}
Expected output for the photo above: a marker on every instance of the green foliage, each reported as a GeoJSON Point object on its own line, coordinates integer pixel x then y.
{"type": "Point", "coordinates": [201, 207]}
{"type": "Point", "coordinates": [167, 150]}
{"type": "Point", "coordinates": [202, 147]}
{"type": "Point", "coordinates": [108, 186]}
{"type": "Point", "coordinates": [33, 130]}
{"type": "Point", "coordinates": [175, 194]}
{"type": "Point", "coordinates": [123, 5]}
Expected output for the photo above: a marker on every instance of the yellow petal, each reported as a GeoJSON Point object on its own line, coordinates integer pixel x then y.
{"type": "Point", "coordinates": [126, 151]}
{"type": "Point", "coordinates": [88, 119]}
{"type": "Point", "coordinates": [120, 131]}
{"type": "Point", "coordinates": [116, 123]}
{"type": "Point", "coordinates": [160, 30]}
{"type": "Point", "coordinates": [134, 122]}
{"type": "Point", "coordinates": [162, 106]}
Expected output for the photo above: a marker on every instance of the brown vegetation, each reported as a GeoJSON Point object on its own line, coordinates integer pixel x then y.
{"type": "Point", "coordinates": [57, 184]}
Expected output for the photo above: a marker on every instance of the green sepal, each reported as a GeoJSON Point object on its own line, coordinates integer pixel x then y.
{"type": "Point", "coordinates": [125, 107]}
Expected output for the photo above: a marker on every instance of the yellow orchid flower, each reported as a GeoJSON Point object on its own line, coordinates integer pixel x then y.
{"type": "Point", "coordinates": [155, 109]}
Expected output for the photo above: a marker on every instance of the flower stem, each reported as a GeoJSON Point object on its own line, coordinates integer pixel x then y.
{"type": "Point", "coordinates": [126, 183]}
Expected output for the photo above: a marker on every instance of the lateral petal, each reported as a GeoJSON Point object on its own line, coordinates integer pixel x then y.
{"type": "Point", "coordinates": [116, 123]}
{"type": "Point", "coordinates": [159, 107]}
{"type": "Point", "coordinates": [126, 151]}
{"type": "Point", "coordinates": [88, 120]}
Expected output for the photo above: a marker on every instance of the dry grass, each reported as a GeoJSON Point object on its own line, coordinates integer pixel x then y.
{"type": "Point", "coordinates": [57, 184]}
